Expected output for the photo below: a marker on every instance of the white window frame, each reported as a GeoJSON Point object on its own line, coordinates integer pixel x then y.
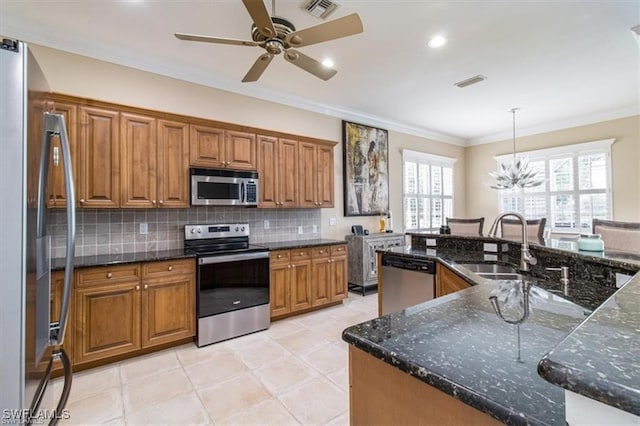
{"type": "Point", "coordinates": [547, 154]}
{"type": "Point", "coordinates": [431, 160]}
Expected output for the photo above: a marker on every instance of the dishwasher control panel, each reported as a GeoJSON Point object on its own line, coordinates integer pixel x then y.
{"type": "Point", "coordinates": [419, 265]}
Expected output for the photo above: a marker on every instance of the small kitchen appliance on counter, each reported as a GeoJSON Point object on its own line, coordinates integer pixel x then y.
{"type": "Point", "coordinates": [232, 294]}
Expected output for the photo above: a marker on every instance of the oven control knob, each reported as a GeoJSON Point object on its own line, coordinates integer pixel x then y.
{"type": "Point", "coordinates": [193, 230]}
{"type": "Point", "coordinates": [242, 229]}
{"type": "Point", "coordinates": [237, 229]}
{"type": "Point", "coordinates": [199, 231]}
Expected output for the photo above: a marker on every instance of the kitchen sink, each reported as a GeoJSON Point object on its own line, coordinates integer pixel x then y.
{"type": "Point", "coordinates": [488, 268]}
{"type": "Point", "coordinates": [501, 276]}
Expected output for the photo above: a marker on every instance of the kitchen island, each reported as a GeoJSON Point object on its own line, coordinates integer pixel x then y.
{"type": "Point", "coordinates": [463, 358]}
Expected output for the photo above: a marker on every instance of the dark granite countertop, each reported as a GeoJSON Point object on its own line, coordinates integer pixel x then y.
{"type": "Point", "coordinates": [601, 358]}
{"type": "Point", "coordinates": [295, 244]}
{"type": "Point", "coordinates": [459, 345]}
{"type": "Point", "coordinates": [114, 259]}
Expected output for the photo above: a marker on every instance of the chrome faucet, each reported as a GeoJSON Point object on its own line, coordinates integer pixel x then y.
{"type": "Point", "coordinates": [526, 258]}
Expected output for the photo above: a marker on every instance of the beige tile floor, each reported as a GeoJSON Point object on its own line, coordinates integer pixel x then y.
{"type": "Point", "coordinates": [296, 372]}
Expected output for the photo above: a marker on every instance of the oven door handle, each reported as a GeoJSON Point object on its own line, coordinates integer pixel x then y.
{"type": "Point", "coordinates": [233, 258]}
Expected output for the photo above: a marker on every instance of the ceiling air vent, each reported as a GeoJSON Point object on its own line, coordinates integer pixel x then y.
{"type": "Point", "coordinates": [473, 80]}
{"type": "Point", "coordinates": [320, 8]}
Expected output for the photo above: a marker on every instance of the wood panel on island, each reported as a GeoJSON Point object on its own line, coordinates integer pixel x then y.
{"type": "Point", "coordinates": [448, 282]}
{"type": "Point", "coordinates": [293, 290]}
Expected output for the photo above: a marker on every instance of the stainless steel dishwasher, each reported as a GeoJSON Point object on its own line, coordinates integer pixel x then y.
{"type": "Point", "coordinates": [405, 282]}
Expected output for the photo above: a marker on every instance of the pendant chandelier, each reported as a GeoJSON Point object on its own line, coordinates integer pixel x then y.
{"type": "Point", "coordinates": [519, 173]}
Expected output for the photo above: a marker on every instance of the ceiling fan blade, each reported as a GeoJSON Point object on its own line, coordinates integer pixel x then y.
{"type": "Point", "coordinates": [258, 12]}
{"type": "Point", "coordinates": [219, 40]}
{"type": "Point", "coordinates": [338, 28]}
{"type": "Point", "coordinates": [309, 64]}
{"type": "Point", "coordinates": [258, 68]}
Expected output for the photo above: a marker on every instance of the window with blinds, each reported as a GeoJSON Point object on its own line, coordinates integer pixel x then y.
{"type": "Point", "coordinates": [428, 190]}
{"type": "Point", "coordinates": [576, 190]}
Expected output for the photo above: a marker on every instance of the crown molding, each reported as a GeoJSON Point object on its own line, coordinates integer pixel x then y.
{"type": "Point", "coordinates": [559, 125]}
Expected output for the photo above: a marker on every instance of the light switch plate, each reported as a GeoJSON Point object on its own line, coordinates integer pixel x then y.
{"type": "Point", "coordinates": [315, 229]}
{"type": "Point", "coordinates": [332, 221]}
{"type": "Point", "coordinates": [300, 230]}
{"type": "Point", "coordinates": [144, 228]}
{"type": "Point", "coordinates": [265, 224]}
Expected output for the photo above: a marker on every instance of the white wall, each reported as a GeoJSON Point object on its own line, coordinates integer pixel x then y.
{"type": "Point", "coordinates": [85, 77]}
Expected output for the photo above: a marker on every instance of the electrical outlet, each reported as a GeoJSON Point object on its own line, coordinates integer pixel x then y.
{"type": "Point", "coordinates": [144, 228]}
{"type": "Point", "coordinates": [265, 224]}
{"type": "Point", "coordinates": [300, 230]}
{"type": "Point", "coordinates": [315, 229]}
{"type": "Point", "coordinates": [332, 221]}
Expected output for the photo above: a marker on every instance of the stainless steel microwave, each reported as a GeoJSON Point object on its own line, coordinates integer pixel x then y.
{"type": "Point", "coordinates": [213, 187]}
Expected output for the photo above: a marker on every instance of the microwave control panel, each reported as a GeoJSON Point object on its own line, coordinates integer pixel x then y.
{"type": "Point", "coordinates": [252, 193]}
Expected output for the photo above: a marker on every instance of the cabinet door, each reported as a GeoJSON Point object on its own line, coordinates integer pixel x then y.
{"type": "Point", "coordinates": [173, 164]}
{"type": "Point", "coordinates": [168, 309]}
{"type": "Point", "coordinates": [268, 171]}
{"type": "Point", "coordinates": [98, 158]}
{"type": "Point", "coordinates": [307, 175]}
{"type": "Point", "coordinates": [107, 321]}
{"type": "Point", "coordinates": [321, 285]}
{"type": "Point", "coordinates": [206, 146]}
{"type": "Point", "coordinates": [325, 176]}
{"type": "Point", "coordinates": [240, 150]}
{"type": "Point", "coordinates": [279, 296]}
{"type": "Point", "coordinates": [339, 289]}
{"type": "Point", "coordinates": [287, 173]}
{"type": "Point", "coordinates": [300, 285]}
{"type": "Point", "coordinates": [139, 158]}
{"type": "Point", "coordinates": [57, 191]}
{"type": "Point", "coordinates": [448, 282]}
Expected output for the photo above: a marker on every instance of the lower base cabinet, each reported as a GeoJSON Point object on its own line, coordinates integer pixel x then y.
{"type": "Point", "coordinates": [448, 282]}
{"type": "Point", "coordinates": [125, 308]}
{"type": "Point", "coordinates": [304, 279]}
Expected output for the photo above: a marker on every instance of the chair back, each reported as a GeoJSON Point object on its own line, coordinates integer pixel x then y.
{"type": "Point", "coordinates": [465, 226]}
{"type": "Point", "coordinates": [618, 236]}
{"type": "Point", "coordinates": [512, 229]}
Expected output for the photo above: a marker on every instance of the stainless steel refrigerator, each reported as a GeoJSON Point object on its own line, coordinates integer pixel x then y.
{"type": "Point", "coordinates": [31, 339]}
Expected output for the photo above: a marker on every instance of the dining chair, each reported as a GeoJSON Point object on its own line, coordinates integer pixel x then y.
{"type": "Point", "coordinates": [512, 229]}
{"type": "Point", "coordinates": [617, 235]}
{"type": "Point", "coordinates": [465, 226]}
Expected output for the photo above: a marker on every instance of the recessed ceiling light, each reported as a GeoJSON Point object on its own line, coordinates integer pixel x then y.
{"type": "Point", "coordinates": [328, 63]}
{"type": "Point", "coordinates": [437, 41]}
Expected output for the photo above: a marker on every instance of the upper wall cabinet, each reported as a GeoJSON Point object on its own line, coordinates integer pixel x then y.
{"type": "Point", "coordinates": [173, 163]}
{"type": "Point", "coordinates": [278, 171]}
{"type": "Point", "coordinates": [220, 148]}
{"type": "Point", "coordinates": [316, 175]}
{"type": "Point", "coordinates": [98, 151]}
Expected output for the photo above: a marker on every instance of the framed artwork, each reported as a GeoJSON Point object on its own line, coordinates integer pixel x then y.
{"type": "Point", "coordinates": [366, 169]}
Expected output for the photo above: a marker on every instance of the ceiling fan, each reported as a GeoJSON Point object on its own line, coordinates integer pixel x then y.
{"type": "Point", "coordinates": [278, 35]}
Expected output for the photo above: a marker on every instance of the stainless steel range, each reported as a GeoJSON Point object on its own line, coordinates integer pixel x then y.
{"type": "Point", "coordinates": [232, 281]}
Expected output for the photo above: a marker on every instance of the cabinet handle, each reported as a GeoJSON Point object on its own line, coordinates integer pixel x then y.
{"type": "Point", "coordinates": [109, 275]}
{"type": "Point", "coordinates": [320, 203]}
{"type": "Point", "coordinates": [137, 288]}
{"type": "Point", "coordinates": [153, 201]}
{"type": "Point", "coordinates": [301, 253]}
{"type": "Point", "coordinates": [146, 286]}
{"type": "Point", "coordinates": [329, 261]}
{"type": "Point", "coordinates": [288, 266]}
{"type": "Point", "coordinates": [170, 267]}
{"type": "Point", "coordinates": [161, 202]}
{"type": "Point", "coordinates": [279, 256]}
{"type": "Point", "coordinates": [321, 251]}
{"type": "Point", "coordinates": [81, 200]}
{"type": "Point", "coordinates": [293, 266]}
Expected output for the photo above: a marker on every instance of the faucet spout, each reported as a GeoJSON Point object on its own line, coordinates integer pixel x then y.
{"type": "Point", "coordinates": [526, 258]}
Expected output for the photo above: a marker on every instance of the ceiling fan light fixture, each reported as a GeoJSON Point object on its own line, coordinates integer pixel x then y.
{"type": "Point", "coordinates": [469, 81]}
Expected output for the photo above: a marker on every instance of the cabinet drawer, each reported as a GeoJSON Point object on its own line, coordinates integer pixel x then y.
{"type": "Point", "coordinates": [280, 256]}
{"type": "Point", "coordinates": [338, 250]}
{"type": "Point", "coordinates": [318, 252]}
{"type": "Point", "coordinates": [300, 254]}
{"type": "Point", "coordinates": [167, 268]}
{"type": "Point", "coordinates": [108, 275]}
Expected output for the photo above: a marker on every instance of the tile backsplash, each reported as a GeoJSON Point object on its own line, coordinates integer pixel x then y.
{"type": "Point", "coordinates": [118, 231]}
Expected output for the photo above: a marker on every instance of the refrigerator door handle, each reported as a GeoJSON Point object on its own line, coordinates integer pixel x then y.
{"type": "Point", "coordinates": [54, 125]}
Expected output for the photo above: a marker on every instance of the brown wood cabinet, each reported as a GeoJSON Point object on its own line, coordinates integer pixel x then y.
{"type": "Point", "coordinates": [278, 171]}
{"type": "Point", "coordinates": [125, 308]}
{"type": "Point", "coordinates": [315, 177]}
{"type": "Point", "coordinates": [448, 281]}
{"type": "Point", "coordinates": [220, 148]}
{"type": "Point", "coordinates": [306, 278]}
{"type": "Point", "coordinates": [290, 281]}
{"type": "Point", "coordinates": [98, 155]}
{"type": "Point", "coordinates": [154, 162]}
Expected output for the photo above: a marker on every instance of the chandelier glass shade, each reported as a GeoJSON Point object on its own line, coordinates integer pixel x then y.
{"type": "Point", "coordinates": [517, 175]}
